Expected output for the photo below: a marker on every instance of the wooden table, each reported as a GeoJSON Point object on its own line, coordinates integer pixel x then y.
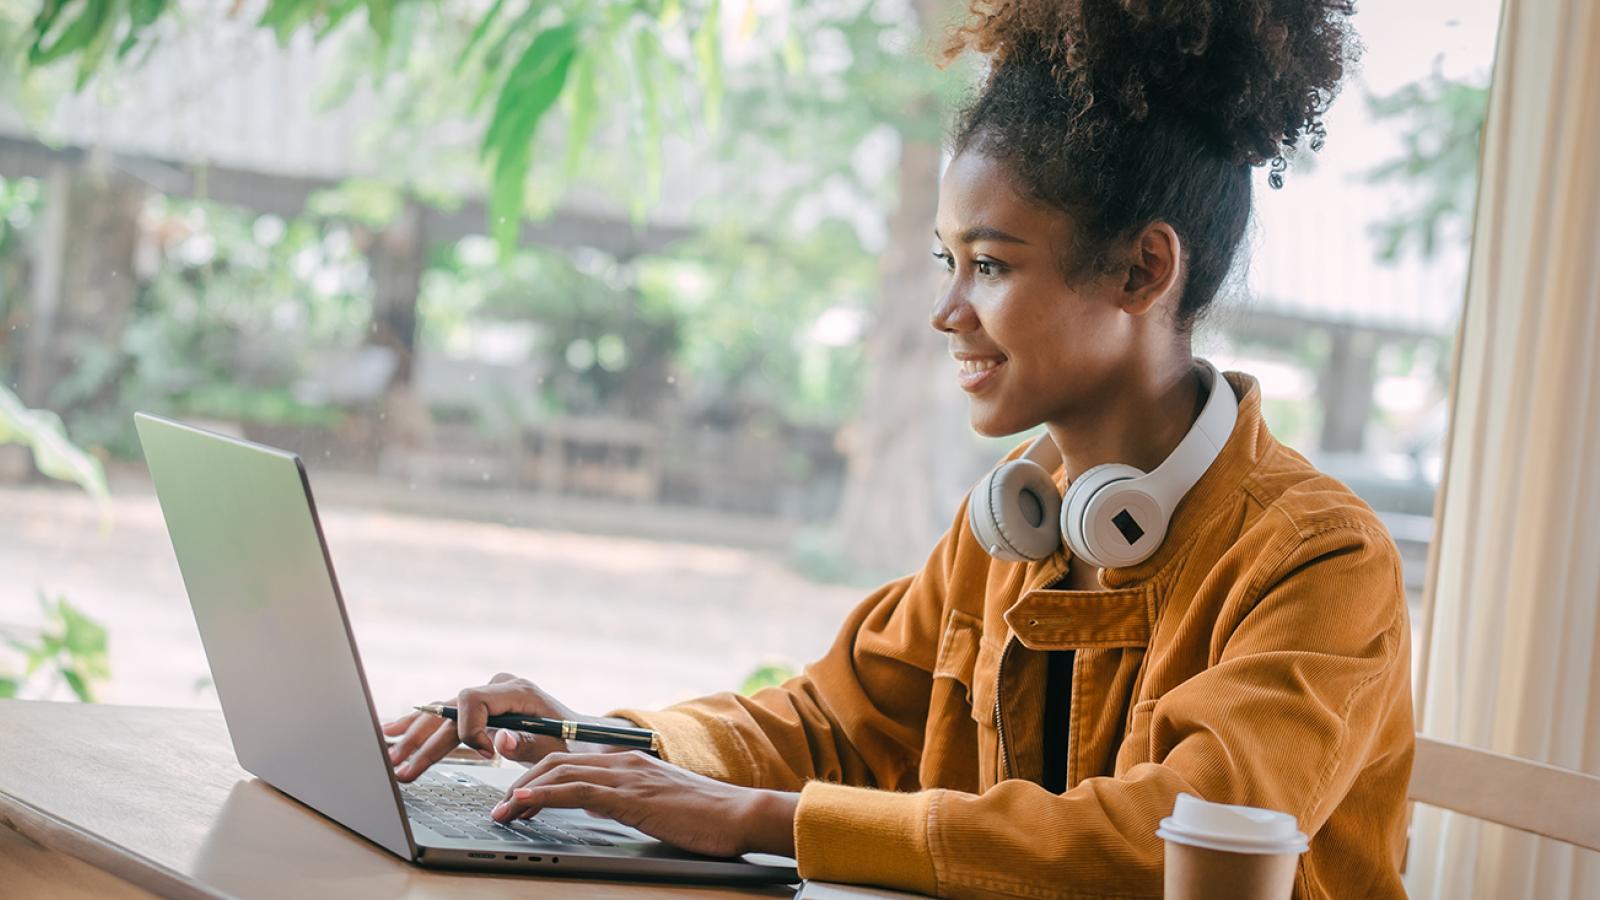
{"type": "Point", "coordinates": [119, 801]}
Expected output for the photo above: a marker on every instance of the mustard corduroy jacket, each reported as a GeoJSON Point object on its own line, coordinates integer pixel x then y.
{"type": "Point", "coordinates": [1260, 657]}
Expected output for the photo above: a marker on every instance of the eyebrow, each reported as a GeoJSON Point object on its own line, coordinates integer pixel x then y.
{"type": "Point", "coordinates": [985, 233]}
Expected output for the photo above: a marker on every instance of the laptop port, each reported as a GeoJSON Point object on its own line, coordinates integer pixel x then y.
{"type": "Point", "coordinates": [476, 855]}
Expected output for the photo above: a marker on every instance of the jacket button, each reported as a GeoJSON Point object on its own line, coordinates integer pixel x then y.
{"type": "Point", "coordinates": [1033, 623]}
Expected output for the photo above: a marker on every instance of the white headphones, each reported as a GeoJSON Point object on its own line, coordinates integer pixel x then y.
{"type": "Point", "coordinates": [1112, 515]}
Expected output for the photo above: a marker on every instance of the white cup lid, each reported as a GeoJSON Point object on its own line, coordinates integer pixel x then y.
{"type": "Point", "coordinates": [1231, 829]}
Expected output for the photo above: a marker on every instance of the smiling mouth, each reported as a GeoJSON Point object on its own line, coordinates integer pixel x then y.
{"type": "Point", "coordinates": [975, 374]}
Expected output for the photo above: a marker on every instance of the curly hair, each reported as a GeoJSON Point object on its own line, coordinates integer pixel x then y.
{"type": "Point", "coordinates": [1128, 112]}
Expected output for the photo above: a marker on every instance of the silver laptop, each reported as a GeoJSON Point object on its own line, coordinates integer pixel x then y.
{"type": "Point", "coordinates": [295, 698]}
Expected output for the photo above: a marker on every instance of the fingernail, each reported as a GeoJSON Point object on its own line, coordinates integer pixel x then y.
{"type": "Point", "coordinates": [499, 810]}
{"type": "Point", "coordinates": [522, 793]}
{"type": "Point", "coordinates": [486, 754]}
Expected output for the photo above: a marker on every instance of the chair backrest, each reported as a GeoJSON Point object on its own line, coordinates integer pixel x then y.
{"type": "Point", "coordinates": [1518, 793]}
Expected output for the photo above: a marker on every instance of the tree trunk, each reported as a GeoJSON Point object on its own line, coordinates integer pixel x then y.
{"type": "Point", "coordinates": [1346, 385]}
{"type": "Point", "coordinates": [910, 449]}
{"type": "Point", "coordinates": [893, 508]}
{"type": "Point", "coordinates": [397, 260]}
{"type": "Point", "coordinates": [84, 287]}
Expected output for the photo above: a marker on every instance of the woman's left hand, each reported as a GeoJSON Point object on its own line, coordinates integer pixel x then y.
{"type": "Point", "coordinates": [665, 801]}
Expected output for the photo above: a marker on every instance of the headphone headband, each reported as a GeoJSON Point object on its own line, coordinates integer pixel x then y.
{"type": "Point", "coordinates": [1199, 448]}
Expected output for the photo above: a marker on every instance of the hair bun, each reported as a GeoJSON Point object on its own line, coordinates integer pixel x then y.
{"type": "Point", "coordinates": [1255, 75]}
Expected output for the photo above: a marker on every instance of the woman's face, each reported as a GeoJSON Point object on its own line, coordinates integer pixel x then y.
{"type": "Point", "coordinates": [1028, 347]}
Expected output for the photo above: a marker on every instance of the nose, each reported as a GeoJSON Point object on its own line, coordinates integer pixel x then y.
{"type": "Point", "coordinates": [952, 313]}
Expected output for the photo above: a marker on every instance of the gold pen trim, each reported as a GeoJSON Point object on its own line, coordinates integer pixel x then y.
{"type": "Point", "coordinates": [569, 730]}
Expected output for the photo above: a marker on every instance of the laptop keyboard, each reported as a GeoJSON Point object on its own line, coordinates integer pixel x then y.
{"type": "Point", "coordinates": [455, 809]}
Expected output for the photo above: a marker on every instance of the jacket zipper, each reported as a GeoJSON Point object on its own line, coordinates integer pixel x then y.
{"type": "Point", "coordinates": [999, 720]}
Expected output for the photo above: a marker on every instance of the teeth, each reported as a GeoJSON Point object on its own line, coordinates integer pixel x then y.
{"type": "Point", "coordinates": [974, 366]}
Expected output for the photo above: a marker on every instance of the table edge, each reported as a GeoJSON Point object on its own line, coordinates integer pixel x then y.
{"type": "Point", "coordinates": [61, 836]}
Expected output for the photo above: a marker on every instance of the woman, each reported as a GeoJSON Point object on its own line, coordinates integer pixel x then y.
{"type": "Point", "coordinates": [987, 726]}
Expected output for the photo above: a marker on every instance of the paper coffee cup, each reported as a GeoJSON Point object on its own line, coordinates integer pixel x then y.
{"type": "Point", "coordinates": [1215, 850]}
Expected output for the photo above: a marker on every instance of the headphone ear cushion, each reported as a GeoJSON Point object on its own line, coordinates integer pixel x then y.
{"type": "Point", "coordinates": [1013, 512]}
{"type": "Point", "coordinates": [1076, 501]}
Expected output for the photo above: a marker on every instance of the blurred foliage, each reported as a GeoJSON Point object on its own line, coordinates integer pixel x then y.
{"type": "Point", "coordinates": [750, 312]}
{"type": "Point", "coordinates": [514, 61]}
{"type": "Point", "coordinates": [1437, 169]}
{"type": "Point", "coordinates": [53, 454]}
{"type": "Point", "coordinates": [600, 349]}
{"type": "Point", "coordinates": [722, 320]}
{"type": "Point", "coordinates": [70, 646]}
{"type": "Point", "coordinates": [765, 676]}
{"type": "Point", "coordinates": [291, 287]}
{"type": "Point", "coordinates": [19, 207]}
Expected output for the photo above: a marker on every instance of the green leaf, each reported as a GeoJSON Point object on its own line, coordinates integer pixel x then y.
{"type": "Point", "coordinates": [380, 15]}
{"type": "Point", "coordinates": [765, 676]}
{"type": "Point", "coordinates": [145, 12]}
{"type": "Point", "coordinates": [336, 15]}
{"type": "Point", "coordinates": [585, 108]}
{"type": "Point", "coordinates": [75, 37]}
{"type": "Point", "coordinates": [46, 19]}
{"type": "Point", "coordinates": [478, 32]}
{"type": "Point", "coordinates": [8, 686]}
{"type": "Point", "coordinates": [284, 16]}
{"type": "Point", "coordinates": [647, 53]}
{"type": "Point", "coordinates": [53, 454]}
{"type": "Point", "coordinates": [496, 52]}
{"type": "Point", "coordinates": [533, 84]}
{"type": "Point", "coordinates": [531, 88]}
{"type": "Point", "coordinates": [83, 636]}
{"type": "Point", "coordinates": [708, 54]}
{"type": "Point", "coordinates": [99, 43]}
{"type": "Point", "coordinates": [79, 685]}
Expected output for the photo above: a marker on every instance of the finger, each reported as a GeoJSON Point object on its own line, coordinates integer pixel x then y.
{"type": "Point", "coordinates": [475, 705]}
{"type": "Point", "coordinates": [552, 761]}
{"type": "Point", "coordinates": [527, 748]}
{"type": "Point", "coordinates": [422, 727]}
{"type": "Point", "coordinates": [567, 768]}
{"type": "Point", "coordinates": [570, 795]}
{"type": "Point", "coordinates": [399, 726]}
{"type": "Point", "coordinates": [435, 748]}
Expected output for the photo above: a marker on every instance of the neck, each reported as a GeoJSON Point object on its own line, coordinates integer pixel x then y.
{"type": "Point", "coordinates": [1139, 423]}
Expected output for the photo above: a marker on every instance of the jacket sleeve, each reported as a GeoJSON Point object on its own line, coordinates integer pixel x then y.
{"type": "Point", "coordinates": [1292, 706]}
{"type": "Point", "coordinates": [855, 716]}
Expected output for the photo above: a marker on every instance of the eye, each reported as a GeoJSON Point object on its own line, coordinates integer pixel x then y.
{"type": "Point", "coordinates": [948, 260]}
{"type": "Point", "coordinates": [989, 268]}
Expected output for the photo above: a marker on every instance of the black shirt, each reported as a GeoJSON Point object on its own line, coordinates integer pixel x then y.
{"type": "Point", "coordinates": [1057, 703]}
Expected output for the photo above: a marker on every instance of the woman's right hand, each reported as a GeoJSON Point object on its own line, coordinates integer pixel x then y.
{"type": "Point", "coordinates": [425, 739]}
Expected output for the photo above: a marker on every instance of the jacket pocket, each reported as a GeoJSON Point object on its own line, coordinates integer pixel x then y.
{"type": "Point", "coordinates": [1136, 744]}
{"type": "Point", "coordinates": [958, 651]}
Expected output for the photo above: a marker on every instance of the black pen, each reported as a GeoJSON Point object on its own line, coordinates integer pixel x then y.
{"type": "Point", "coordinates": [566, 729]}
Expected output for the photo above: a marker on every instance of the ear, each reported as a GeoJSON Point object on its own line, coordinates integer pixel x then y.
{"type": "Point", "coordinates": [1154, 269]}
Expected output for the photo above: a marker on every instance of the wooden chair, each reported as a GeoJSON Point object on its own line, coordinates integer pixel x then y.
{"type": "Point", "coordinates": [1507, 790]}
